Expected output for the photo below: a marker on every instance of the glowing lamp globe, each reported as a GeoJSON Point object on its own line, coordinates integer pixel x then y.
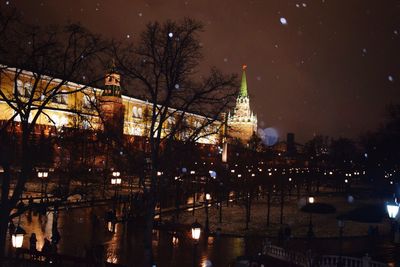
{"type": "Point", "coordinates": [196, 231]}
{"type": "Point", "coordinates": [311, 200]}
{"type": "Point", "coordinates": [17, 237]}
{"type": "Point", "coordinates": [392, 210]}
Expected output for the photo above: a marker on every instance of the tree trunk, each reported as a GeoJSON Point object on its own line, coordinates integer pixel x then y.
{"type": "Point", "coordinates": [148, 231]}
{"type": "Point", "coordinates": [282, 203]}
{"type": "Point", "coordinates": [3, 233]}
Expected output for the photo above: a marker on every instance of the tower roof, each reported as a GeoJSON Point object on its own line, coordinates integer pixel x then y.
{"type": "Point", "coordinates": [243, 85]}
{"type": "Point", "coordinates": [112, 67]}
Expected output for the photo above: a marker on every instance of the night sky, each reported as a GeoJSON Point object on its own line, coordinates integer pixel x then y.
{"type": "Point", "coordinates": [330, 69]}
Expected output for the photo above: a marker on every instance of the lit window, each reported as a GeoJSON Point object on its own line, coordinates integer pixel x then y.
{"type": "Point", "coordinates": [60, 99]}
{"type": "Point", "coordinates": [20, 88]}
{"type": "Point", "coordinates": [88, 102]}
{"type": "Point", "coordinates": [135, 112]}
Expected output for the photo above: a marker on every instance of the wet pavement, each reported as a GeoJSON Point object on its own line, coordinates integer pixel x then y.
{"type": "Point", "coordinates": [125, 246]}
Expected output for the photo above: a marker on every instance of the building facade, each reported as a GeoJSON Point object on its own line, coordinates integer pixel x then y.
{"type": "Point", "coordinates": [80, 106]}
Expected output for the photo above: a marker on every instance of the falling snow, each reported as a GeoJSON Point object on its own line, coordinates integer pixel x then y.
{"type": "Point", "coordinates": [283, 21]}
{"type": "Point", "coordinates": [390, 78]}
{"type": "Point", "coordinates": [364, 51]}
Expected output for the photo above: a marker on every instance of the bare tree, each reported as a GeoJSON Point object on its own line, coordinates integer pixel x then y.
{"type": "Point", "coordinates": [35, 78]}
{"type": "Point", "coordinates": [163, 64]}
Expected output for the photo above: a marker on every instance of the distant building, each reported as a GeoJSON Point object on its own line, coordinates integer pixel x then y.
{"type": "Point", "coordinates": [242, 123]}
{"type": "Point", "coordinates": [122, 115]}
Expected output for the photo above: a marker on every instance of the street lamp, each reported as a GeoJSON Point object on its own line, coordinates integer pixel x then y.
{"type": "Point", "coordinates": [196, 232]}
{"type": "Point", "coordinates": [207, 198]}
{"type": "Point", "coordinates": [213, 175]}
{"type": "Point", "coordinates": [42, 175]}
{"type": "Point", "coordinates": [392, 210]}
{"type": "Point", "coordinates": [310, 232]}
{"type": "Point", "coordinates": [17, 238]}
{"type": "Point", "coordinates": [116, 181]}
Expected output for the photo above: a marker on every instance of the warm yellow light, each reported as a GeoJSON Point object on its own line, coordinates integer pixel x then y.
{"type": "Point", "coordinates": [196, 231]}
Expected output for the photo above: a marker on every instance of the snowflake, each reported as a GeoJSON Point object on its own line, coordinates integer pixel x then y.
{"type": "Point", "coordinates": [170, 34]}
{"type": "Point", "coordinates": [390, 78]}
{"type": "Point", "coordinates": [128, 36]}
{"type": "Point", "coordinates": [140, 14]}
{"type": "Point", "coordinates": [283, 21]}
{"type": "Point", "coordinates": [225, 60]}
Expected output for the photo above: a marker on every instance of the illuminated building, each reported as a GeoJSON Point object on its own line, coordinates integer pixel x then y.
{"type": "Point", "coordinates": [242, 123]}
{"type": "Point", "coordinates": [121, 114]}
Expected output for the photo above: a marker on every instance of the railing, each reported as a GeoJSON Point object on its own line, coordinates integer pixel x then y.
{"type": "Point", "coordinates": [289, 256]}
{"type": "Point", "coordinates": [334, 260]}
{"type": "Point", "coordinates": [27, 258]}
{"type": "Point", "coordinates": [305, 260]}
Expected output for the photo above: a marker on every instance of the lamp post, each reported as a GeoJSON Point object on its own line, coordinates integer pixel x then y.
{"type": "Point", "coordinates": [115, 181]}
{"type": "Point", "coordinates": [213, 175]}
{"type": "Point", "coordinates": [207, 198]}
{"type": "Point", "coordinates": [310, 232]}
{"type": "Point", "coordinates": [178, 180]}
{"type": "Point", "coordinates": [17, 238]}
{"type": "Point", "coordinates": [194, 182]}
{"type": "Point", "coordinates": [196, 232]}
{"type": "Point", "coordinates": [341, 227]}
{"type": "Point", "coordinates": [42, 175]}
{"type": "Point", "coordinates": [392, 210]}
{"type": "Point", "coordinates": [221, 186]}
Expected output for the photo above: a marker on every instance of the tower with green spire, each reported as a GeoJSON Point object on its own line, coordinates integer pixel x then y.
{"type": "Point", "coordinates": [242, 122]}
{"type": "Point", "coordinates": [111, 106]}
{"type": "Point", "coordinates": [243, 85]}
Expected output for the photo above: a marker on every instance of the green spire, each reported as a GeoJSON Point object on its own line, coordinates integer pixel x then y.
{"type": "Point", "coordinates": [243, 85]}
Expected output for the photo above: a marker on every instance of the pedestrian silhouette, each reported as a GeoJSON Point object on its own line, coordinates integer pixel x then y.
{"type": "Point", "coordinates": [47, 249]}
{"type": "Point", "coordinates": [46, 246]}
{"type": "Point", "coordinates": [32, 242]}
